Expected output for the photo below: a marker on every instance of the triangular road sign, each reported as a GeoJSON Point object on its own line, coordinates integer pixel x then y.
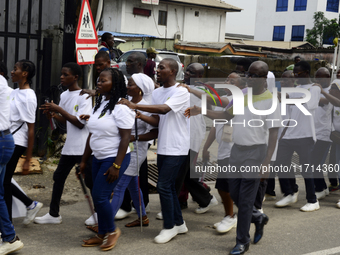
{"type": "Point", "coordinates": [86, 31]}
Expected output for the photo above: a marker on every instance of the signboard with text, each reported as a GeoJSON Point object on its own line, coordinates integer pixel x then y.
{"type": "Point", "coordinates": [154, 2]}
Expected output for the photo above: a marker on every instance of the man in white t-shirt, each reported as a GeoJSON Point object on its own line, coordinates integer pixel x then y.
{"type": "Point", "coordinates": [323, 127]}
{"type": "Point", "coordinates": [252, 148]}
{"type": "Point", "coordinates": [169, 103]}
{"type": "Point", "coordinates": [299, 139]}
{"type": "Point", "coordinates": [71, 106]}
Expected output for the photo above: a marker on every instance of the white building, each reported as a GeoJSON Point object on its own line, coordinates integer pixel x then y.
{"type": "Point", "coordinates": [287, 20]}
{"type": "Point", "coordinates": [187, 20]}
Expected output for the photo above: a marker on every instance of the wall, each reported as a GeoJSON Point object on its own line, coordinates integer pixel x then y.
{"type": "Point", "coordinates": [181, 19]}
{"type": "Point", "coordinates": [137, 44]}
{"type": "Point", "coordinates": [267, 18]}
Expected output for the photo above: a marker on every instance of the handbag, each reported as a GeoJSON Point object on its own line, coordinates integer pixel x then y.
{"type": "Point", "coordinates": [227, 135]}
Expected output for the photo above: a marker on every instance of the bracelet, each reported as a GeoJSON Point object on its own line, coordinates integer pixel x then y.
{"type": "Point", "coordinates": [116, 166]}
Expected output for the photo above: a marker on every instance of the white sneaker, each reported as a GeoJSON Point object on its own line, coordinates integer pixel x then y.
{"type": "Point", "coordinates": [213, 202]}
{"type": "Point", "coordinates": [295, 196]}
{"type": "Point", "coordinates": [310, 207]}
{"type": "Point", "coordinates": [338, 204]}
{"type": "Point", "coordinates": [31, 213]}
{"type": "Point", "coordinates": [92, 220]}
{"type": "Point", "coordinates": [182, 229]}
{"type": "Point", "coordinates": [166, 235]}
{"type": "Point", "coordinates": [320, 195]}
{"type": "Point", "coordinates": [121, 214]}
{"type": "Point", "coordinates": [226, 224]}
{"type": "Point", "coordinates": [147, 209]}
{"type": "Point", "coordinates": [48, 219]}
{"type": "Point", "coordinates": [159, 216]}
{"type": "Point", "coordinates": [216, 225]}
{"type": "Point", "coordinates": [269, 197]}
{"type": "Point", "coordinates": [9, 247]}
{"type": "Point", "coordinates": [326, 191]}
{"type": "Point", "coordinates": [287, 200]}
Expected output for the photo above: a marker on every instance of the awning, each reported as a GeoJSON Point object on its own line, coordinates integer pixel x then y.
{"type": "Point", "coordinates": [100, 33]}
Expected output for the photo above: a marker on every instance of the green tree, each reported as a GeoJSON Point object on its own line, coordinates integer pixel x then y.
{"type": "Point", "coordinates": [324, 30]}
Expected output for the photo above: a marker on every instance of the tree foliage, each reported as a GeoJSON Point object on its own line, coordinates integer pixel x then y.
{"type": "Point", "coordinates": [324, 30]}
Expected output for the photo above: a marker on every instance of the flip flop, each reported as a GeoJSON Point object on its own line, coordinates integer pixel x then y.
{"type": "Point", "coordinates": [93, 228]}
{"type": "Point", "coordinates": [93, 241]}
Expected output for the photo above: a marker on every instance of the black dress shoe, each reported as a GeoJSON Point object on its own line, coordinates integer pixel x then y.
{"type": "Point", "coordinates": [259, 228]}
{"type": "Point", "coordinates": [239, 249]}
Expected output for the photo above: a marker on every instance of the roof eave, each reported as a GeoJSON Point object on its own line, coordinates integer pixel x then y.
{"type": "Point", "coordinates": [205, 6]}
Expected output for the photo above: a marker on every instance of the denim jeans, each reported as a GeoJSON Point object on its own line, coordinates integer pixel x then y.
{"type": "Point", "coordinates": [130, 182]}
{"type": "Point", "coordinates": [6, 151]}
{"type": "Point", "coordinates": [168, 167]}
{"type": "Point", "coordinates": [102, 190]}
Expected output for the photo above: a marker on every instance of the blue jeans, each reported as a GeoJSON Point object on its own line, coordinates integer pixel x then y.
{"type": "Point", "coordinates": [6, 151]}
{"type": "Point", "coordinates": [130, 182]}
{"type": "Point", "coordinates": [168, 167]}
{"type": "Point", "coordinates": [102, 190]}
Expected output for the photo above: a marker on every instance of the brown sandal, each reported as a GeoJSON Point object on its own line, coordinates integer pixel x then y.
{"type": "Point", "coordinates": [93, 241]}
{"type": "Point", "coordinates": [93, 228]}
{"type": "Point", "coordinates": [136, 223]}
{"type": "Point", "coordinates": [110, 240]}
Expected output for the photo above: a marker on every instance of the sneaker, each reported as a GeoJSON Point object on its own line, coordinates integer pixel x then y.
{"type": "Point", "coordinates": [320, 195]}
{"type": "Point", "coordinates": [48, 219]}
{"type": "Point", "coordinates": [122, 214]}
{"type": "Point", "coordinates": [182, 229]}
{"type": "Point", "coordinates": [269, 197]}
{"type": "Point", "coordinates": [295, 196]}
{"type": "Point", "coordinates": [260, 210]}
{"type": "Point", "coordinates": [213, 202]}
{"type": "Point", "coordinates": [326, 191]}
{"type": "Point", "coordinates": [12, 246]}
{"type": "Point", "coordinates": [166, 235]}
{"type": "Point", "coordinates": [332, 188]}
{"type": "Point", "coordinates": [338, 204]}
{"type": "Point", "coordinates": [92, 220]}
{"type": "Point", "coordinates": [216, 225]}
{"type": "Point", "coordinates": [310, 207]}
{"type": "Point", "coordinates": [226, 224]}
{"type": "Point", "coordinates": [147, 209]}
{"type": "Point", "coordinates": [31, 213]}
{"type": "Point", "coordinates": [159, 216]}
{"type": "Point", "coordinates": [287, 200]}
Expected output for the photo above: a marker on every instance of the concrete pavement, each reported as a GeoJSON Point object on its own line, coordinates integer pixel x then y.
{"type": "Point", "coordinates": [289, 231]}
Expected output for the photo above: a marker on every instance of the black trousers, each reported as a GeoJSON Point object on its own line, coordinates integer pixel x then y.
{"type": "Point", "coordinates": [66, 163]}
{"type": "Point", "coordinates": [320, 149]}
{"type": "Point", "coordinates": [243, 190]}
{"type": "Point", "coordinates": [9, 188]}
{"type": "Point", "coordinates": [303, 148]}
{"type": "Point", "coordinates": [185, 176]}
{"type": "Point", "coordinates": [333, 176]}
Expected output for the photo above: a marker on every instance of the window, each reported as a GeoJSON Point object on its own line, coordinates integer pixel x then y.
{"type": "Point", "coordinates": [300, 5]}
{"type": "Point", "coordinates": [281, 5]}
{"type": "Point", "coordinates": [197, 13]}
{"type": "Point", "coordinates": [162, 18]}
{"type": "Point", "coordinates": [298, 33]}
{"type": "Point", "coordinates": [332, 6]}
{"type": "Point", "coordinates": [279, 33]}
{"type": "Point", "coordinates": [328, 40]}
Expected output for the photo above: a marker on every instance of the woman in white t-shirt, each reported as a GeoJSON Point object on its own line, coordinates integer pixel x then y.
{"type": "Point", "coordinates": [110, 129]}
{"type": "Point", "coordinates": [23, 105]}
{"type": "Point", "coordinates": [136, 89]}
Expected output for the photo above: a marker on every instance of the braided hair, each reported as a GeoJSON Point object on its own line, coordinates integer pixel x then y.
{"type": "Point", "coordinates": [29, 67]}
{"type": "Point", "coordinates": [118, 90]}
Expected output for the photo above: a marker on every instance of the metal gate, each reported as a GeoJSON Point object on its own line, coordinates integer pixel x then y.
{"type": "Point", "coordinates": [20, 33]}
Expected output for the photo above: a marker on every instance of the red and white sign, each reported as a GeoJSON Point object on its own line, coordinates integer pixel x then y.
{"type": "Point", "coordinates": [154, 2]}
{"type": "Point", "coordinates": [86, 36]}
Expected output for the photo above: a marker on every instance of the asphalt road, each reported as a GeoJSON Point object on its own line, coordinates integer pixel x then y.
{"type": "Point", "coordinates": [289, 231]}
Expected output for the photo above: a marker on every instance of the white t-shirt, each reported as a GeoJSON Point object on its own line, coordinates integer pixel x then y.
{"type": "Point", "coordinates": [173, 136]}
{"type": "Point", "coordinates": [323, 120]}
{"type": "Point", "coordinates": [75, 105]}
{"type": "Point", "coordinates": [336, 118]}
{"type": "Point", "coordinates": [305, 123]}
{"type": "Point", "coordinates": [5, 92]}
{"type": "Point", "coordinates": [224, 148]}
{"type": "Point", "coordinates": [105, 137]}
{"type": "Point", "coordinates": [23, 109]}
{"type": "Point", "coordinates": [246, 135]}
{"type": "Point", "coordinates": [143, 128]}
{"type": "Point", "coordinates": [197, 124]}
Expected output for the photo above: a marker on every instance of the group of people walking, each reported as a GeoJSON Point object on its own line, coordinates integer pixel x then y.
{"type": "Point", "coordinates": [110, 141]}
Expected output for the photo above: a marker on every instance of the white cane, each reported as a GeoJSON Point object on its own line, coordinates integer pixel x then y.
{"type": "Point", "coordinates": [139, 195]}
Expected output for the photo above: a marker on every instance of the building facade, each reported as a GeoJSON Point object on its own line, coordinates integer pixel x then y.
{"type": "Point", "coordinates": [287, 20]}
{"type": "Point", "coordinates": [200, 21]}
